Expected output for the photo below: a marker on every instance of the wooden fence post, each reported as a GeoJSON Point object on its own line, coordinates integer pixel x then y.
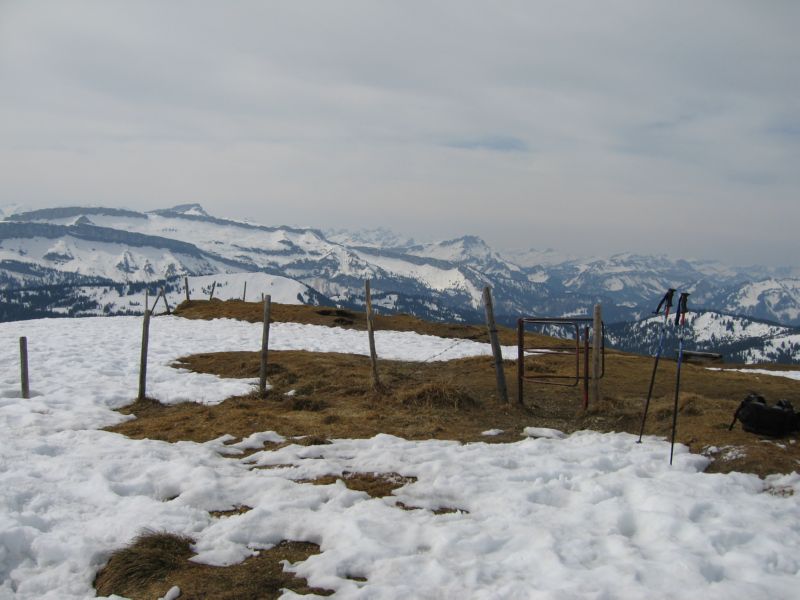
{"type": "Point", "coordinates": [497, 351]}
{"type": "Point", "coordinates": [597, 342]}
{"type": "Point", "coordinates": [23, 367]}
{"type": "Point", "coordinates": [213, 287]}
{"type": "Point", "coordinates": [262, 384]}
{"type": "Point", "coordinates": [186, 287]}
{"type": "Point", "coordinates": [143, 359]}
{"type": "Point", "coordinates": [164, 296]}
{"type": "Point", "coordinates": [244, 293]}
{"type": "Point", "coordinates": [376, 382]}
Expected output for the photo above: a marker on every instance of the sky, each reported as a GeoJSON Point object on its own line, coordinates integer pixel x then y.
{"type": "Point", "coordinates": [588, 127]}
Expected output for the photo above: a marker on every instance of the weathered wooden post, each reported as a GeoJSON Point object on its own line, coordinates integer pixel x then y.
{"type": "Point", "coordinates": [143, 359]}
{"type": "Point", "coordinates": [262, 384]}
{"type": "Point", "coordinates": [213, 287]}
{"type": "Point", "coordinates": [597, 343]}
{"type": "Point", "coordinates": [164, 296]}
{"type": "Point", "coordinates": [186, 287]}
{"type": "Point", "coordinates": [497, 351]}
{"type": "Point", "coordinates": [146, 299]}
{"type": "Point", "coordinates": [376, 382]}
{"type": "Point", "coordinates": [23, 367]}
{"type": "Point", "coordinates": [244, 293]}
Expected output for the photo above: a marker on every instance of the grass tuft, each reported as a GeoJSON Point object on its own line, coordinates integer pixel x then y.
{"type": "Point", "coordinates": [437, 394]}
{"type": "Point", "coordinates": [151, 557]}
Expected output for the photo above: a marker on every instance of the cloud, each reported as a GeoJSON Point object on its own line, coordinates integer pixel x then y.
{"type": "Point", "coordinates": [498, 143]}
{"type": "Point", "coordinates": [556, 115]}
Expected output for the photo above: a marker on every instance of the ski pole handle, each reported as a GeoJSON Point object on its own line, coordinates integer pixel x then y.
{"type": "Point", "coordinates": [666, 301]}
{"type": "Point", "coordinates": [680, 314]}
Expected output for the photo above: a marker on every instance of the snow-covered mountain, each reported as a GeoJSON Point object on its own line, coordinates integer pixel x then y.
{"type": "Point", "coordinates": [440, 280]}
{"type": "Point", "coordinates": [737, 338]}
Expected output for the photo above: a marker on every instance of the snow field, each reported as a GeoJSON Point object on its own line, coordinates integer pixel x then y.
{"type": "Point", "coordinates": [587, 515]}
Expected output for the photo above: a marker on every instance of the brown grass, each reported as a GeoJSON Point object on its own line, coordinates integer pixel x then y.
{"type": "Point", "coordinates": [156, 561]}
{"type": "Point", "coordinates": [333, 396]}
{"type": "Point", "coordinates": [376, 485]}
{"type": "Point", "coordinates": [253, 312]}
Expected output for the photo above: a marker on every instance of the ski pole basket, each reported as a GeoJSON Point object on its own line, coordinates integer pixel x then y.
{"type": "Point", "coordinates": [571, 331]}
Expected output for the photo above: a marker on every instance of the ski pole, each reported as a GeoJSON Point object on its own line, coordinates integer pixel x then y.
{"type": "Point", "coordinates": [666, 302]}
{"type": "Point", "coordinates": [680, 319]}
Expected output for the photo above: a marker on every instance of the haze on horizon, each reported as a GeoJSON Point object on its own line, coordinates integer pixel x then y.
{"type": "Point", "coordinates": [592, 128]}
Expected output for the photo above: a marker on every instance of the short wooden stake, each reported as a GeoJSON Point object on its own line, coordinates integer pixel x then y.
{"type": "Point", "coordinates": [376, 382]}
{"type": "Point", "coordinates": [23, 367]}
{"type": "Point", "coordinates": [244, 293]}
{"type": "Point", "coordinates": [262, 384]}
{"type": "Point", "coordinates": [143, 359]}
{"type": "Point", "coordinates": [597, 343]}
{"type": "Point", "coordinates": [213, 287]}
{"type": "Point", "coordinates": [186, 287]}
{"type": "Point", "coordinates": [497, 351]}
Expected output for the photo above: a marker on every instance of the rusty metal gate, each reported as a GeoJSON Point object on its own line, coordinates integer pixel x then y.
{"type": "Point", "coordinates": [569, 349]}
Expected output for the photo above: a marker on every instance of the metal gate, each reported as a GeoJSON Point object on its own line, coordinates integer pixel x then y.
{"type": "Point", "coordinates": [569, 349]}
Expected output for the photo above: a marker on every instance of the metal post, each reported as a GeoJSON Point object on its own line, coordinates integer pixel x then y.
{"type": "Point", "coordinates": [597, 352]}
{"type": "Point", "coordinates": [585, 367]}
{"type": "Point", "coordinates": [520, 357]}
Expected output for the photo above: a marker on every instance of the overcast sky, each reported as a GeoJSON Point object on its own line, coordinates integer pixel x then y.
{"type": "Point", "coordinates": [591, 127]}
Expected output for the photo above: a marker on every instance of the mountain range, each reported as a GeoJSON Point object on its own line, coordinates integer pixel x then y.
{"type": "Point", "coordinates": [84, 260]}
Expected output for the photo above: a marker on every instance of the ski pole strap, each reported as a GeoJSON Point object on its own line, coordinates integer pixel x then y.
{"type": "Point", "coordinates": [680, 314]}
{"type": "Point", "coordinates": [666, 300]}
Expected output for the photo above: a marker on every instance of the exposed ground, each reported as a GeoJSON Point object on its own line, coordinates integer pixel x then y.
{"type": "Point", "coordinates": [330, 395]}
{"type": "Point", "coordinates": [156, 561]}
{"type": "Point", "coordinates": [326, 395]}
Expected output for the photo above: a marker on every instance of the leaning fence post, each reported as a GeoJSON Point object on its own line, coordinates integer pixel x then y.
{"type": "Point", "coordinates": [497, 351]}
{"type": "Point", "coordinates": [143, 360]}
{"type": "Point", "coordinates": [23, 367]}
{"type": "Point", "coordinates": [213, 287]}
{"type": "Point", "coordinates": [164, 296]}
{"type": "Point", "coordinates": [376, 382]}
{"type": "Point", "coordinates": [597, 343]}
{"type": "Point", "coordinates": [244, 293]}
{"type": "Point", "coordinates": [186, 287]}
{"type": "Point", "coordinates": [262, 384]}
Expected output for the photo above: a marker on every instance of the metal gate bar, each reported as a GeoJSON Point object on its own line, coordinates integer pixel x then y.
{"type": "Point", "coordinates": [574, 324]}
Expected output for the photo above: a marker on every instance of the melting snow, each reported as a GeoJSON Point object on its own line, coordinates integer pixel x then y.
{"type": "Point", "coordinates": [589, 515]}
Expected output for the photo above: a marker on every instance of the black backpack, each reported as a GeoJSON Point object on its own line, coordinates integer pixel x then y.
{"type": "Point", "coordinates": [759, 418]}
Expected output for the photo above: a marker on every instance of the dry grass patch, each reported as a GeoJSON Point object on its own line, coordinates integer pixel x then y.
{"type": "Point", "coordinates": [437, 394]}
{"type": "Point", "coordinates": [333, 396]}
{"type": "Point", "coordinates": [238, 510]}
{"type": "Point", "coordinates": [253, 312]}
{"type": "Point", "coordinates": [376, 485]}
{"type": "Point", "coordinates": [156, 561]}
